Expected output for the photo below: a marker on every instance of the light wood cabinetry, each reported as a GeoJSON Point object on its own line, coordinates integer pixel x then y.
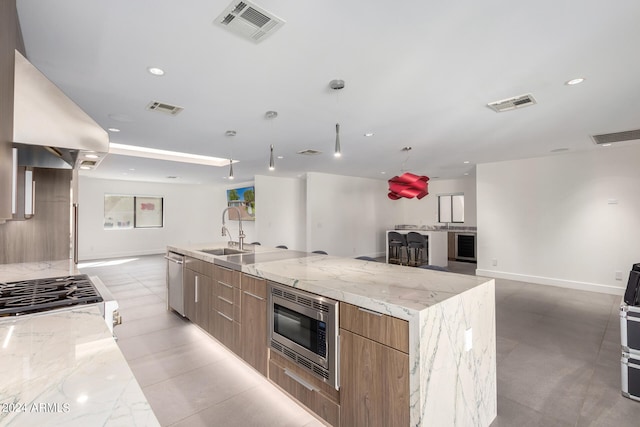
{"type": "Point", "coordinates": [197, 291]}
{"type": "Point", "coordinates": [253, 335]}
{"type": "Point", "coordinates": [319, 397]}
{"type": "Point", "coordinates": [224, 308]}
{"type": "Point", "coordinates": [374, 369]}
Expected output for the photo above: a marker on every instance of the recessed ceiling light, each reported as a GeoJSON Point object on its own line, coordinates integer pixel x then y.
{"type": "Point", "coordinates": [91, 156]}
{"type": "Point", "coordinates": [383, 173]}
{"type": "Point", "coordinates": [86, 168]}
{"type": "Point", "coordinates": [280, 157]}
{"type": "Point", "coordinates": [131, 169]}
{"type": "Point", "coordinates": [574, 81]}
{"type": "Point", "coordinates": [606, 145]}
{"type": "Point", "coordinates": [466, 173]}
{"type": "Point", "coordinates": [368, 134]}
{"type": "Point", "coordinates": [156, 71]}
{"type": "Point", "coordinates": [113, 130]}
{"type": "Point", "coordinates": [466, 162]}
{"type": "Point", "coordinates": [173, 177]}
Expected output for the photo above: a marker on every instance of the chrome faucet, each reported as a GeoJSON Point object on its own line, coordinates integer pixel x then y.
{"type": "Point", "coordinates": [241, 235]}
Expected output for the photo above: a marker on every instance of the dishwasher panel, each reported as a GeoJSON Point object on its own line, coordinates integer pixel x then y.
{"type": "Point", "coordinates": [175, 282]}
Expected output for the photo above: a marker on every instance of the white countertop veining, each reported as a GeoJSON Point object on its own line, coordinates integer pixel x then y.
{"type": "Point", "coordinates": [63, 367]}
{"type": "Point", "coordinates": [37, 270]}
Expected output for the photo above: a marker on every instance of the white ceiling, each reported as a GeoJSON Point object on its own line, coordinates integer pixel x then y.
{"type": "Point", "coordinates": [418, 73]}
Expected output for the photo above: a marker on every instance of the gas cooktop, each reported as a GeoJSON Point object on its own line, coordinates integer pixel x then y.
{"type": "Point", "coordinates": [32, 296]}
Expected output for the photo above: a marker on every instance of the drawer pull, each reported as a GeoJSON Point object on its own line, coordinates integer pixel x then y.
{"type": "Point", "coordinates": [226, 317]}
{"type": "Point", "coordinates": [254, 295]}
{"type": "Point", "coordinates": [225, 284]}
{"type": "Point", "coordinates": [299, 380]}
{"type": "Point", "coordinates": [375, 313]}
{"type": "Point", "coordinates": [225, 300]}
{"type": "Point", "coordinates": [196, 289]}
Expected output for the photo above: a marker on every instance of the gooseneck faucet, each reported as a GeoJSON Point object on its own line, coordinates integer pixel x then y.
{"type": "Point", "coordinates": [241, 235]}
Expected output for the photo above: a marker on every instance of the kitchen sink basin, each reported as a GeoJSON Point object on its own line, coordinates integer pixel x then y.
{"type": "Point", "coordinates": [222, 251]}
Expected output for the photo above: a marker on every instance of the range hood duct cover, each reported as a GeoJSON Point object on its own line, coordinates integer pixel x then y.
{"type": "Point", "coordinates": [44, 115]}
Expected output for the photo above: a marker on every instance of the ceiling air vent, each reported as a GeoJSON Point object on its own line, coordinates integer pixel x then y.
{"type": "Point", "coordinates": [609, 138]}
{"type": "Point", "coordinates": [249, 21]}
{"type": "Point", "coordinates": [164, 108]}
{"type": "Point", "coordinates": [512, 103]}
{"type": "Point", "coordinates": [309, 152]}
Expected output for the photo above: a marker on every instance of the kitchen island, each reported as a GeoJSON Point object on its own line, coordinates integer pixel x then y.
{"type": "Point", "coordinates": [451, 323]}
{"type": "Point", "coordinates": [63, 366]}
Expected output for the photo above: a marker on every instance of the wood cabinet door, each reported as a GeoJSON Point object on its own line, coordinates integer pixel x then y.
{"type": "Point", "coordinates": [253, 335]}
{"type": "Point", "coordinates": [374, 383]}
{"type": "Point", "coordinates": [202, 294]}
{"type": "Point", "coordinates": [190, 294]}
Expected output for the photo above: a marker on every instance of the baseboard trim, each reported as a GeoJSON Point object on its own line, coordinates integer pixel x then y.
{"type": "Point", "coordinates": [127, 254]}
{"type": "Point", "coordinates": [550, 281]}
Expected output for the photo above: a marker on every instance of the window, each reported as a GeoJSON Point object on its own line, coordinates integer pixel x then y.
{"type": "Point", "coordinates": [451, 207]}
{"type": "Point", "coordinates": [125, 212]}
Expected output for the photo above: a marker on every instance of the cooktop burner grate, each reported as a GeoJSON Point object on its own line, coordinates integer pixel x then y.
{"type": "Point", "coordinates": [32, 296]}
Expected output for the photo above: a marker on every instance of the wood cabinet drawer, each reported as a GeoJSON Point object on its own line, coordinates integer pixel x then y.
{"type": "Point", "coordinates": [225, 305]}
{"type": "Point", "coordinates": [226, 275]}
{"type": "Point", "coordinates": [378, 327]}
{"type": "Point", "coordinates": [198, 266]}
{"type": "Point", "coordinates": [305, 393]}
{"type": "Point", "coordinates": [255, 286]}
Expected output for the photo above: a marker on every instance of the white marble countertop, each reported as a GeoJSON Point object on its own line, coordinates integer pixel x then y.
{"type": "Point", "coordinates": [63, 367]}
{"type": "Point", "coordinates": [37, 270]}
{"type": "Point", "coordinates": [396, 290]}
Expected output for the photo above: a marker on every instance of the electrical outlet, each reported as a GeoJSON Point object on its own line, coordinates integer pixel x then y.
{"type": "Point", "coordinates": [494, 262]}
{"type": "Point", "coordinates": [618, 275]}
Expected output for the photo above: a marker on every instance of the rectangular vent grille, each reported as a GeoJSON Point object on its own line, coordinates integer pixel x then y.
{"type": "Point", "coordinates": [301, 361]}
{"type": "Point", "coordinates": [249, 21]}
{"type": "Point", "coordinates": [320, 306]}
{"type": "Point", "coordinates": [512, 103]}
{"type": "Point", "coordinates": [163, 107]}
{"type": "Point", "coordinates": [610, 138]}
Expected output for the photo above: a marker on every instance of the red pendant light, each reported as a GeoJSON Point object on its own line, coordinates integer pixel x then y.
{"type": "Point", "coordinates": [408, 186]}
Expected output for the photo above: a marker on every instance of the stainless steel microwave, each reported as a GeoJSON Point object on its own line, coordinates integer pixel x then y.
{"type": "Point", "coordinates": [303, 327]}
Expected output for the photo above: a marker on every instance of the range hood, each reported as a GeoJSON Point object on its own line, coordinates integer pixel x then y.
{"type": "Point", "coordinates": [45, 117]}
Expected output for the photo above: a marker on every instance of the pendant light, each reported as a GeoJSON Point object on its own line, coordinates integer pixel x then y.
{"type": "Point", "coordinates": [271, 115]}
{"type": "Point", "coordinates": [337, 152]}
{"type": "Point", "coordinates": [272, 165]}
{"type": "Point", "coordinates": [230, 169]}
{"type": "Point", "coordinates": [337, 85]}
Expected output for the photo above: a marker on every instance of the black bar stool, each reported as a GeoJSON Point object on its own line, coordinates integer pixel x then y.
{"type": "Point", "coordinates": [397, 245]}
{"type": "Point", "coordinates": [416, 248]}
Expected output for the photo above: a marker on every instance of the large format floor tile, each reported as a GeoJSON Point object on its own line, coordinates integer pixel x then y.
{"type": "Point", "coordinates": [558, 357]}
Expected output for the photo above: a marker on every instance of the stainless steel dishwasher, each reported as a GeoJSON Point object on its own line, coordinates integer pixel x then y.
{"type": "Point", "coordinates": [175, 281]}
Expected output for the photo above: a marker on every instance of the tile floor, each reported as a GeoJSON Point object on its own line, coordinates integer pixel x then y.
{"type": "Point", "coordinates": [558, 357]}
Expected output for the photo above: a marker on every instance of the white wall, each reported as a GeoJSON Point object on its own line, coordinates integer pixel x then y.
{"type": "Point", "coordinates": [192, 214]}
{"type": "Point", "coordinates": [280, 212]}
{"type": "Point", "coordinates": [347, 216]}
{"type": "Point", "coordinates": [570, 220]}
{"type": "Point", "coordinates": [425, 211]}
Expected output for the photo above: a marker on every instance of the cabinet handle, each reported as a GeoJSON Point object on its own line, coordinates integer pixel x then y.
{"type": "Point", "coordinates": [375, 313]}
{"type": "Point", "coordinates": [196, 288]}
{"type": "Point", "coordinates": [254, 295]}
{"type": "Point", "coordinates": [226, 317]}
{"type": "Point", "coordinates": [225, 300]}
{"type": "Point", "coordinates": [225, 284]}
{"type": "Point", "coordinates": [299, 380]}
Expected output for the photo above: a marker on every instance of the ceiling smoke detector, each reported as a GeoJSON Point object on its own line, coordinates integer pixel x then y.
{"type": "Point", "coordinates": [249, 21]}
{"type": "Point", "coordinates": [336, 84]}
{"type": "Point", "coordinates": [512, 103]}
{"type": "Point", "coordinates": [163, 107]}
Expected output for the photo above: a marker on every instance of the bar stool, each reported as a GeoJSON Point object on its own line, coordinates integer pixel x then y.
{"type": "Point", "coordinates": [397, 244]}
{"type": "Point", "coordinates": [281, 247]}
{"type": "Point", "coordinates": [416, 247]}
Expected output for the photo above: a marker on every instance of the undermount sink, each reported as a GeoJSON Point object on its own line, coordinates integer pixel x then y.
{"type": "Point", "coordinates": [222, 251]}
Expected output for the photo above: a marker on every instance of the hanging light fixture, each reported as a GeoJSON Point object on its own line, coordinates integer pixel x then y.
{"type": "Point", "coordinates": [230, 169]}
{"type": "Point", "coordinates": [337, 85]}
{"type": "Point", "coordinates": [271, 115]}
{"type": "Point", "coordinates": [408, 185]}
{"type": "Point", "coordinates": [272, 164]}
{"type": "Point", "coordinates": [337, 152]}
